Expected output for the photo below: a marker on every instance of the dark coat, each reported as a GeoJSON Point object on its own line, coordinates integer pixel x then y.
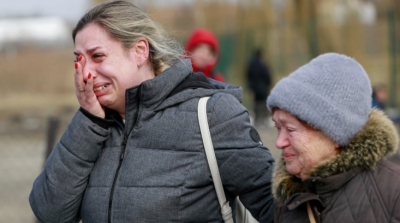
{"type": "Point", "coordinates": [259, 78]}
{"type": "Point", "coordinates": [153, 168]}
{"type": "Point", "coordinates": [358, 185]}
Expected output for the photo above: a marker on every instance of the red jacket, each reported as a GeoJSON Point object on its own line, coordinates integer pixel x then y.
{"type": "Point", "coordinates": [205, 36]}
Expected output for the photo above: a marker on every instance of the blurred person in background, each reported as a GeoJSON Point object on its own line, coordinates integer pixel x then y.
{"type": "Point", "coordinates": [259, 81]}
{"type": "Point", "coordinates": [334, 146]}
{"type": "Point", "coordinates": [203, 49]}
{"type": "Point", "coordinates": [379, 101]}
{"type": "Point", "coordinates": [133, 152]}
{"type": "Point", "coordinates": [379, 97]}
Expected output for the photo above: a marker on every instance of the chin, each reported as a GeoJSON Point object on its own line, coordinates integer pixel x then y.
{"type": "Point", "coordinates": [105, 102]}
{"type": "Point", "coordinates": [293, 170]}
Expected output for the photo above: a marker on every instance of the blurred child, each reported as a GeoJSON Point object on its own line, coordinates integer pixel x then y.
{"type": "Point", "coordinates": [379, 97]}
{"type": "Point", "coordinates": [203, 49]}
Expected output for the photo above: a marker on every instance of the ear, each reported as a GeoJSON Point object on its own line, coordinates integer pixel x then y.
{"type": "Point", "coordinates": [338, 147]}
{"type": "Point", "coordinates": [141, 51]}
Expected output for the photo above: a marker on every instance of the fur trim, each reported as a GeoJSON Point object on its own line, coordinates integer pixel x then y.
{"type": "Point", "coordinates": [376, 141]}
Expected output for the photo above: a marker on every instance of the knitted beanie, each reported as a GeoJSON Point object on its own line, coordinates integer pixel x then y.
{"type": "Point", "coordinates": [201, 35]}
{"type": "Point", "coordinates": [331, 93]}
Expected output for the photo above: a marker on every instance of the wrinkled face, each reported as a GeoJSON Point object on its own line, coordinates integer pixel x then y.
{"type": "Point", "coordinates": [113, 68]}
{"type": "Point", "coordinates": [303, 148]}
{"type": "Point", "coordinates": [203, 55]}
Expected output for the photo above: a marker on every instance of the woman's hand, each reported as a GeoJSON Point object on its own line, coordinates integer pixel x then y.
{"type": "Point", "coordinates": [84, 90]}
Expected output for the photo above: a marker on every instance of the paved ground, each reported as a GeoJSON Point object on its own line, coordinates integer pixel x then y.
{"type": "Point", "coordinates": [22, 158]}
{"type": "Point", "coordinates": [268, 136]}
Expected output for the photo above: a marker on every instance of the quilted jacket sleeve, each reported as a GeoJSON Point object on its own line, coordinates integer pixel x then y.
{"type": "Point", "coordinates": [245, 165]}
{"type": "Point", "coordinates": [57, 192]}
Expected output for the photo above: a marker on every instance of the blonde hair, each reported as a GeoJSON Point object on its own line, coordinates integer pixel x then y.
{"type": "Point", "coordinates": [127, 23]}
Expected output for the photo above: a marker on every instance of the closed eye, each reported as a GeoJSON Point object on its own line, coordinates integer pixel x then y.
{"type": "Point", "coordinates": [97, 55]}
{"type": "Point", "coordinates": [290, 129]}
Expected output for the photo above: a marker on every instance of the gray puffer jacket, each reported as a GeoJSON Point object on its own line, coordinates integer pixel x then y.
{"type": "Point", "coordinates": [358, 185]}
{"type": "Point", "coordinates": [153, 168]}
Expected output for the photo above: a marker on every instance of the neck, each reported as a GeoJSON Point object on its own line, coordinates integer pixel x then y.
{"type": "Point", "coordinates": [146, 72]}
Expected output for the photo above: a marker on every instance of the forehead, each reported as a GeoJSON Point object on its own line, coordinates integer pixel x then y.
{"type": "Point", "coordinates": [94, 36]}
{"type": "Point", "coordinates": [283, 117]}
{"type": "Point", "coordinates": [280, 115]}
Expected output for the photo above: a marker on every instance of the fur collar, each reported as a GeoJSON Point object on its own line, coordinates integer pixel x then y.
{"type": "Point", "coordinates": [376, 141]}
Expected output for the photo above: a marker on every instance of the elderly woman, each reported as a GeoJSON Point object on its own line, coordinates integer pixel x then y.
{"type": "Point", "coordinates": [334, 146]}
{"type": "Point", "coordinates": [133, 152]}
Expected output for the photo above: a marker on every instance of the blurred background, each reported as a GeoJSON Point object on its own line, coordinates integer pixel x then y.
{"type": "Point", "coordinates": [37, 62]}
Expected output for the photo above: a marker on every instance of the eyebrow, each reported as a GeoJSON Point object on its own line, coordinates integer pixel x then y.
{"type": "Point", "coordinates": [88, 51]}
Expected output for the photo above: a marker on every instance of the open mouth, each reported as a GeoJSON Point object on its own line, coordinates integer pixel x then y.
{"type": "Point", "coordinates": [101, 87]}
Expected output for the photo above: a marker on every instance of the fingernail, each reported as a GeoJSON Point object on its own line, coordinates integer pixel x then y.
{"type": "Point", "coordinates": [80, 58]}
{"type": "Point", "coordinates": [89, 76]}
{"type": "Point", "coordinates": [76, 65]}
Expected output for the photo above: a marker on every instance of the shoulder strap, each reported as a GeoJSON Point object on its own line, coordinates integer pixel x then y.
{"type": "Point", "coordinates": [310, 213]}
{"type": "Point", "coordinates": [226, 210]}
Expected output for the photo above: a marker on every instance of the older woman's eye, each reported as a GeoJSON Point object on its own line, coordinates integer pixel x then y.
{"type": "Point", "coordinates": [290, 129]}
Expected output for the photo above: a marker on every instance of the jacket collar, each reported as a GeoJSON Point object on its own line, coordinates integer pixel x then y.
{"type": "Point", "coordinates": [155, 94]}
{"type": "Point", "coordinates": [202, 92]}
{"type": "Point", "coordinates": [376, 141]}
{"type": "Point", "coordinates": [152, 92]}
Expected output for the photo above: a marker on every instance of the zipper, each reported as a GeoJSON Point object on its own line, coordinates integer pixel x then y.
{"type": "Point", "coordinates": [121, 159]}
{"type": "Point", "coordinates": [110, 202]}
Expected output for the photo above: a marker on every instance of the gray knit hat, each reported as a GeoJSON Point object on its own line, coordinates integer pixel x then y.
{"type": "Point", "coordinates": [331, 93]}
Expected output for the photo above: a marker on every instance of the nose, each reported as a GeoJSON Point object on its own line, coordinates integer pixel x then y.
{"type": "Point", "coordinates": [86, 69]}
{"type": "Point", "coordinates": [282, 141]}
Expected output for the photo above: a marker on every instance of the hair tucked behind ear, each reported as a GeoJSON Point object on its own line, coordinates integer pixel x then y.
{"type": "Point", "coordinates": [127, 23]}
